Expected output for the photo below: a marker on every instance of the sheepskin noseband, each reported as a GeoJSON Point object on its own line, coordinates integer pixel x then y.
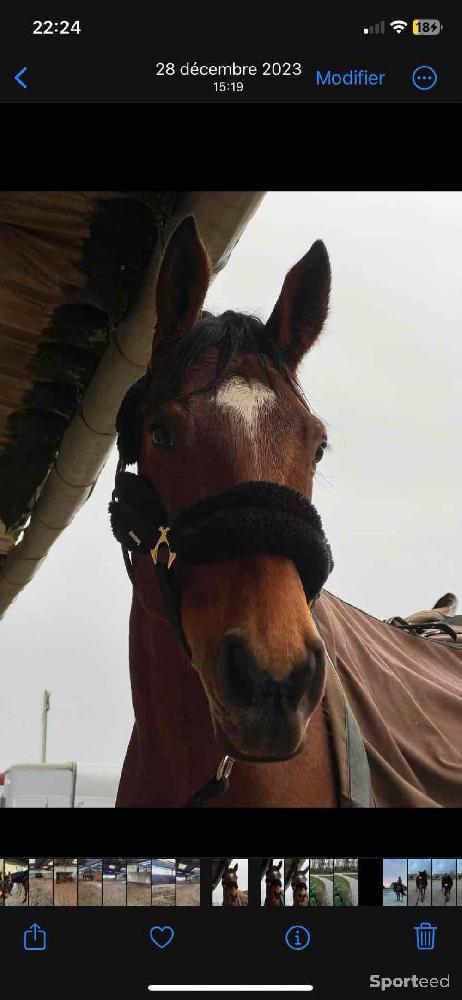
{"type": "Point", "coordinates": [248, 519]}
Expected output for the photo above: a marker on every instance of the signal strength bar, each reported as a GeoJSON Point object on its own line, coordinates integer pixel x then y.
{"type": "Point", "coordinates": [375, 29]}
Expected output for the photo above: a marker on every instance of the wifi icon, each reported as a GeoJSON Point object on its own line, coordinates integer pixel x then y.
{"type": "Point", "coordinates": [398, 26]}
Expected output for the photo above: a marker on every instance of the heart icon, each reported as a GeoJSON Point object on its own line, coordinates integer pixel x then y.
{"type": "Point", "coordinates": [161, 936]}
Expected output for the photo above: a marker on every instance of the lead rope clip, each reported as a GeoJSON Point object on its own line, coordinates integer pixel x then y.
{"type": "Point", "coordinates": [224, 768]}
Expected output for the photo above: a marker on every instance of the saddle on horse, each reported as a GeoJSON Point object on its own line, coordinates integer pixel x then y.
{"type": "Point", "coordinates": [440, 623]}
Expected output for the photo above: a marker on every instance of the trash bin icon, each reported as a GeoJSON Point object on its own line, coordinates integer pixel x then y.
{"type": "Point", "coordinates": [425, 936]}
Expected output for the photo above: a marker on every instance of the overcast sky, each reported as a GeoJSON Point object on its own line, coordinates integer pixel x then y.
{"type": "Point", "coordinates": [394, 868]}
{"type": "Point", "coordinates": [440, 866]}
{"type": "Point", "coordinates": [416, 865]}
{"type": "Point", "coordinates": [386, 379]}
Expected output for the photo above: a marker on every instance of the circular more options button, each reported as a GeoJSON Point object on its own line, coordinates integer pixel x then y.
{"type": "Point", "coordinates": [424, 77]}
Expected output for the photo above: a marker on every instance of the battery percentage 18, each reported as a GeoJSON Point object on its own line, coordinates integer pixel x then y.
{"type": "Point", "coordinates": [426, 28]}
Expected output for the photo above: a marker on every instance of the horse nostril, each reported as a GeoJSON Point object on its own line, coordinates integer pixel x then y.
{"type": "Point", "coordinates": [244, 684]}
{"type": "Point", "coordinates": [302, 676]}
{"type": "Point", "coordinates": [238, 672]}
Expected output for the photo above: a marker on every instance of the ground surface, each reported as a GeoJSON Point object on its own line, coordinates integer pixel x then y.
{"type": "Point", "coordinates": [389, 898]}
{"type": "Point", "coordinates": [41, 892]}
{"type": "Point", "coordinates": [66, 893]}
{"type": "Point", "coordinates": [114, 893]}
{"type": "Point", "coordinates": [16, 898]}
{"type": "Point", "coordinates": [90, 893]}
{"type": "Point", "coordinates": [437, 894]}
{"type": "Point", "coordinates": [328, 883]}
{"type": "Point", "coordinates": [163, 895]}
{"type": "Point", "coordinates": [188, 894]}
{"type": "Point", "coordinates": [139, 894]}
{"type": "Point", "coordinates": [353, 883]}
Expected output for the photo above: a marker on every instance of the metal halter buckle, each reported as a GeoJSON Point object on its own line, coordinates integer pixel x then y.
{"type": "Point", "coordinates": [163, 540]}
{"type": "Point", "coordinates": [224, 768]}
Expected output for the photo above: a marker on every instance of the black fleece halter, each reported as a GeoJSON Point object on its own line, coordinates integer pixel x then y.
{"type": "Point", "coordinates": [248, 519]}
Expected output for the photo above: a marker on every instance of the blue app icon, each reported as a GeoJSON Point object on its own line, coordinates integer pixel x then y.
{"type": "Point", "coordinates": [35, 938]}
{"type": "Point", "coordinates": [161, 936]}
{"type": "Point", "coordinates": [425, 936]}
{"type": "Point", "coordinates": [424, 77]}
{"type": "Point", "coordinates": [297, 938]}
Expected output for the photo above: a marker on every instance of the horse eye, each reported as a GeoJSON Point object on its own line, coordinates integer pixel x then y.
{"type": "Point", "coordinates": [320, 451]}
{"type": "Point", "coordinates": [161, 436]}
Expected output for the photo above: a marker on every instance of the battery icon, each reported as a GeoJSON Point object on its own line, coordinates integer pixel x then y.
{"type": "Point", "coordinates": [426, 28]}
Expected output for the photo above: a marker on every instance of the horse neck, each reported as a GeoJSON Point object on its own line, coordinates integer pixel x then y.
{"type": "Point", "coordinates": [228, 899]}
{"type": "Point", "coordinates": [271, 898]}
{"type": "Point", "coordinates": [173, 749]}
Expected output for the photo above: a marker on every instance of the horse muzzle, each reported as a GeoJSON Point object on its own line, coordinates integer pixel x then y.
{"type": "Point", "coordinates": [266, 719]}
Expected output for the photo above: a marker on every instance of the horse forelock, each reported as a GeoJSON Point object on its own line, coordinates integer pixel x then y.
{"type": "Point", "coordinates": [223, 338]}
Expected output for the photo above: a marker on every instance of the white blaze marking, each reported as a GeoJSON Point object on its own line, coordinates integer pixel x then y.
{"type": "Point", "coordinates": [245, 399]}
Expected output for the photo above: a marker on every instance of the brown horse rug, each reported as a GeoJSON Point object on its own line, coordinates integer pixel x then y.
{"type": "Point", "coordinates": [406, 693]}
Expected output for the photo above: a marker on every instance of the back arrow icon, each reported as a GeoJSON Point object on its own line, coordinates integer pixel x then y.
{"type": "Point", "coordinates": [18, 77]}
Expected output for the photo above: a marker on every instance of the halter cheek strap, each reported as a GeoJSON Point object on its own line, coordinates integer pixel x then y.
{"type": "Point", "coordinates": [139, 522]}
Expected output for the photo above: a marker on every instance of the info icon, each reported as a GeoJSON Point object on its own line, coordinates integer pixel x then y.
{"type": "Point", "coordinates": [297, 938]}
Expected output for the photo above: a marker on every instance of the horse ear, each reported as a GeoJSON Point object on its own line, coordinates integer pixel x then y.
{"type": "Point", "coordinates": [279, 866]}
{"type": "Point", "coordinates": [304, 870]}
{"type": "Point", "coordinates": [183, 281]}
{"type": "Point", "coordinates": [236, 866]}
{"type": "Point", "coordinates": [301, 309]}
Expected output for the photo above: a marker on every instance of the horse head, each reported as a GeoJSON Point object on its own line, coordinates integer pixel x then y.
{"type": "Point", "coordinates": [300, 887]}
{"type": "Point", "coordinates": [229, 881]}
{"type": "Point", "coordinates": [219, 866]}
{"type": "Point", "coordinates": [274, 882]}
{"type": "Point", "coordinates": [221, 409]}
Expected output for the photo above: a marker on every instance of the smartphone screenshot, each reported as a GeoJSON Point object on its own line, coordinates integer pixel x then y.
{"type": "Point", "coordinates": [244, 54]}
{"type": "Point", "coordinates": [229, 591]}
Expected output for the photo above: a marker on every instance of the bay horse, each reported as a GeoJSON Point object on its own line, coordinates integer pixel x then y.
{"type": "Point", "coordinates": [300, 887]}
{"type": "Point", "coordinates": [421, 883]}
{"type": "Point", "coordinates": [232, 895]}
{"type": "Point", "coordinates": [446, 885]}
{"type": "Point", "coordinates": [228, 656]}
{"type": "Point", "coordinates": [274, 890]}
{"type": "Point", "coordinates": [295, 876]}
{"type": "Point", "coordinates": [399, 889]}
{"type": "Point", "coordinates": [20, 879]}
